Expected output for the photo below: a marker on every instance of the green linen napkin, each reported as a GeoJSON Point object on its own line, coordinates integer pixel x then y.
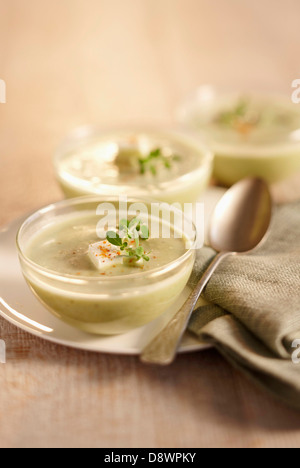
{"type": "Point", "coordinates": [254, 312]}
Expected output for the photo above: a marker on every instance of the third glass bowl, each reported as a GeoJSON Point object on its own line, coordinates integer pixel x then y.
{"type": "Point", "coordinates": [251, 134]}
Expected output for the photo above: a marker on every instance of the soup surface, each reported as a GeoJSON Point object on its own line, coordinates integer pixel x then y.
{"type": "Point", "coordinates": [64, 248]}
{"type": "Point", "coordinates": [252, 119]}
{"type": "Point", "coordinates": [137, 159]}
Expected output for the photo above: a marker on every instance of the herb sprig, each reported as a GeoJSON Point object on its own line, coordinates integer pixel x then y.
{"type": "Point", "coordinates": [128, 239]}
{"type": "Point", "coordinates": [150, 162]}
{"type": "Point", "coordinates": [241, 118]}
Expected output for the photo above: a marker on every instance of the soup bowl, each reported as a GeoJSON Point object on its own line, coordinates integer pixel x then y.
{"type": "Point", "coordinates": [53, 251]}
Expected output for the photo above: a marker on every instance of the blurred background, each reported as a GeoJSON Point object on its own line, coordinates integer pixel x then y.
{"type": "Point", "coordinates": [73, 62]}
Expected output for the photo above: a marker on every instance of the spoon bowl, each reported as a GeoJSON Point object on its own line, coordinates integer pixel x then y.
{"type": "Point", "coordinates": [242, 217]}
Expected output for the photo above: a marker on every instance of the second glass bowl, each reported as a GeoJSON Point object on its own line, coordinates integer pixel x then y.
{"type": "Point", "coordinates": [142, 162]}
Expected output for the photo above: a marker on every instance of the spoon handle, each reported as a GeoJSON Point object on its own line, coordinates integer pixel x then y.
{"type": "Point", "coordinates": [162, 350]}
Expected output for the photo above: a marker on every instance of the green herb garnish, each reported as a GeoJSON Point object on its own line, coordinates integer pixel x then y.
{"type": "Point", "coordinates": [241, 118]}
{"type": "Point", "coordinates": [128, 239]}
{"type": "Point", "coordinates": [151, 162]}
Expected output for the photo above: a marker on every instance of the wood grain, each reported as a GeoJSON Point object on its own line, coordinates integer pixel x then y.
{"type": "Point", "coordinates": [107, 61]}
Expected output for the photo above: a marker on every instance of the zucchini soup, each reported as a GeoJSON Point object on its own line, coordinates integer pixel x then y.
{"type": "Point", "coordinates": [251, 134]}
{"type": "Point", "coordinates": [167, 165]}
{"type": "Point", "coordinates": [105, 280]}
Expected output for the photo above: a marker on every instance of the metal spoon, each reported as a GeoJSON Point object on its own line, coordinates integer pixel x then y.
{"type": "Point", "coordinates": [239, 224]}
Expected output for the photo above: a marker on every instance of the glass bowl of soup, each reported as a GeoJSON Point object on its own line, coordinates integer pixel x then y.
{"type": "Point", "coordinates": [251, 134]}
{"type": "Point", "coordinates": [167, 165]}
{"type": "Point", "coordinates": [86, 281]}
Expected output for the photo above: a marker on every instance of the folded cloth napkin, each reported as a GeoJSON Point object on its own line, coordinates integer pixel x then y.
{"type": "Point", "coordinates": [254, 314]}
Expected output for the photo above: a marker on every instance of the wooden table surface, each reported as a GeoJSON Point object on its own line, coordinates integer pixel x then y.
{"type": "Point", "coordinates": [72, 62]}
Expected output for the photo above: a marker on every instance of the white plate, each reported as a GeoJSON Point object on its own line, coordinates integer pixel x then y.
{"type": "Point", "coordinates": [19, 306]}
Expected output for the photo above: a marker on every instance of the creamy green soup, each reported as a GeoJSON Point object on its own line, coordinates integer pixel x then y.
{"type": "Point", "coordinates": [252, 135]}
{"type": "Point", "coordinates": [252, 120]}
{"type": "Point", "coordinates": [167, 166]}
{"type": "Point", "coordinates": [57, 265]}
{"type": "Point", "coordinates": [63, 248]}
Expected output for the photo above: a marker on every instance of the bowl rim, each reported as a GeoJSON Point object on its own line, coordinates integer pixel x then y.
{"type": "Point", "coordinates": [71, 279]}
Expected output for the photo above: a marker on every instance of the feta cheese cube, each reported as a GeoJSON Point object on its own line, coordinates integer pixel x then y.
{"type": "Point", "coordinates": [103, 254]}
